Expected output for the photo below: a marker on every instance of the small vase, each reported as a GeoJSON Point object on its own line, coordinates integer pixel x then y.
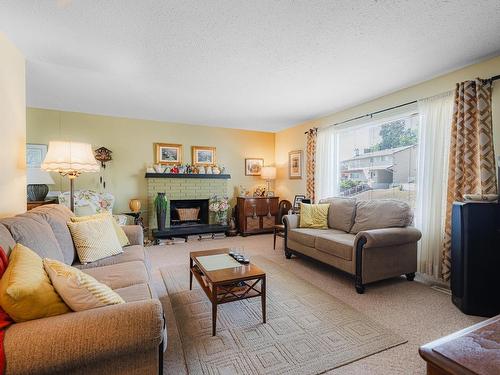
{"type": "Point", "coordinates": [135, 205]}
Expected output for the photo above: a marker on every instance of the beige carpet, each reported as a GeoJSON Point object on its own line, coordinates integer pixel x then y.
{"type": "Point", "coordinates": [308, 331]}
{"type": "Point", "coordinates": [411, 309]}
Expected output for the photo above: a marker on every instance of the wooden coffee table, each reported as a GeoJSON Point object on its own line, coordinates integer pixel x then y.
{"type": "Point", "coordinates": [227, 284]}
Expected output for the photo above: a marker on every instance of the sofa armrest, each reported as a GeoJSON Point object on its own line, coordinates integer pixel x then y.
{"type": "Point", "coordinates": [291, 221]}
{"type": "Point", "coordinates": [65, 342]}
{"type": "Point", "coordinates": [388, 236]}
{"type": "Point", "coordinates": [134, 233]}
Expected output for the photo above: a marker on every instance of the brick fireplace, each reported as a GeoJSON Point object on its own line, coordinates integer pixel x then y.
{"type": "Point", "coordinates": [179, 188]}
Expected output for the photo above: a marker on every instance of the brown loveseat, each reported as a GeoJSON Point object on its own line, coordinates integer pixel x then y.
{"type": "Point", "coordinates": [118, 339]}
{"type": "Point", "coordinates": [372, 240]}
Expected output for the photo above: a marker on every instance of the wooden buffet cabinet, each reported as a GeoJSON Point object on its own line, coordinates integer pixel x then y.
{"type": "Point", "coordinates": [257, 214]}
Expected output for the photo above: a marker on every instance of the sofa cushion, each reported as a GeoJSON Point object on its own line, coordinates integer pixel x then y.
{"type": "Point", "coordinates": [7, 243]}
{"type": "Point", "coordinates": [130, 254]}
{"type": "Point", "coordinates": [341, 213]}
{"type": "Point", "coordinates": [78, 289]}
{"type": "Point", "coordinates": [381, 213]}
{"type": "Point", "coordinates": [305, 236]}
{"type": "Point", "coordinates": [137, 292]}
{"type": "Point", "coordinates": [34, 234]}
{"type": "Point", "coordinates": [26, 292]}
{"type": "Point", "coordinates": [336, 242]}
{"type": "Point", "coordinates": [57, 216]}
{"type": "Point", "coordinates": [120, 275]}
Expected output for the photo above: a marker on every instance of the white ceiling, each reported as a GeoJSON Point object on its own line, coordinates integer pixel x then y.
{"type": "Point", "coordinates": [252, 64]}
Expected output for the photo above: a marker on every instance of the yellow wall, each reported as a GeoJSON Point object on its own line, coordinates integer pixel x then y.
{"type": "Point", "coordinates": [12, 129]}
{"type": "Point", "coordinates": [132, 144]}
{"type": "Point", "coordinates": [294, 138]}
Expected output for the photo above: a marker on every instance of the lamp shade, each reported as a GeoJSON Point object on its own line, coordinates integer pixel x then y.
{"type": "Point", "coordinates": [36, 176]}
{"type": "Point", "coordinates": [268, 173]}
{"type": "Point", "coordinates": [70, 158]}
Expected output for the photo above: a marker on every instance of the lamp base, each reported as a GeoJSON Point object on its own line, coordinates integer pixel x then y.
{"type": "Point", "coordinates": [37, 192]}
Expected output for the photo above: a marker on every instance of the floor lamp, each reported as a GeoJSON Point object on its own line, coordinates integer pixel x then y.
{"type": "Point", "coordinates": [70, 159]}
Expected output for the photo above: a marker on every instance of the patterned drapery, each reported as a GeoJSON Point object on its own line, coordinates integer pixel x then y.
{"type": "Point", "coordinates": [472, 160]}
{"type": "Point", "coordinates": [311, 162]}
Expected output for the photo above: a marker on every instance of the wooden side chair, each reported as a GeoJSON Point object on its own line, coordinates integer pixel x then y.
{"type": "Point", "coordinates": [279, 229]}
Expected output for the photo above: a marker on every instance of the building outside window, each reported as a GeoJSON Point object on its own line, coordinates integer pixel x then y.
{"type": "Point", "coordinates": [379, 160]}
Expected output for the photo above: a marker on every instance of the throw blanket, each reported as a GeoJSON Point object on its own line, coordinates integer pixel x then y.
{"type": "Point", "coordinates": [5, 319]}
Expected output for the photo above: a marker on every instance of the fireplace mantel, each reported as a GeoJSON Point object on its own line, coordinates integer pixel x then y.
{"type": "Point", "coordinates": [189, 175]}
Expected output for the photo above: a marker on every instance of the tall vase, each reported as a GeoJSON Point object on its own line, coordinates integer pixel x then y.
{"type": "Point", "coordinates": [161, 211]}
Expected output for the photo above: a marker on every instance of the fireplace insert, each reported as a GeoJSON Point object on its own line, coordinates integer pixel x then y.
{"type": "Point", "coordinates": [188, 212]}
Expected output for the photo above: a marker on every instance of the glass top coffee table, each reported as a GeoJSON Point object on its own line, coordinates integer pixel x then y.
{"type": "Point", "coordinates": [225, 280]}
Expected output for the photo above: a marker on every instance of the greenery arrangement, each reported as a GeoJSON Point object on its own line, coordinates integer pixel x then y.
{"type": "Point", "coordinates": [161, 202]}
{"type": "Point", "coordinates": [219, 205]}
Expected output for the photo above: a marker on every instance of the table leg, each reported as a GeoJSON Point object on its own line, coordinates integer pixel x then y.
{"type": "Point", "coordinates": [274, 235]}
{"type": "Point", "coordinates": [190, 273]}
{"type": "Point", "coordinates": [214, 309]}
{"type": "Point", "coordinates": [263, 298]}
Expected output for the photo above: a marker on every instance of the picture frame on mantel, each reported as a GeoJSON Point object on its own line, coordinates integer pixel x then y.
{"type": "Point", "coordinates": [253, 166]}
{"type": "Point", "coordinates": [295, 165]}
{"type": "Point", "coordinates": [168, 153]}
{"type": "Point", "coordinates": [203, 156]}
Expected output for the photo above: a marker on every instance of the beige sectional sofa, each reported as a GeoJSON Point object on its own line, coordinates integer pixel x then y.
{"type": "Point", "coordinates": [372, 240]}
{"type": "Point", "coordinates": [119, 339]}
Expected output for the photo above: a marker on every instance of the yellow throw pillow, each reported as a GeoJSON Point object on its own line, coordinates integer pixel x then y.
{"type": "Point", "coordinates": [122, 237]}
{"type": "Point", "coordinates": [25, 289]}
{"type": "Point", "coordinates": [314, 215]}
{"type": "Point", "coordinates": [95, 239]}
{"type": "Point", "coordinates": [79, 290]}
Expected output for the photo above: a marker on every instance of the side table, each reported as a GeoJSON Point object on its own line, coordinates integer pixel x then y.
{"type": "Point", "coordinates": [33, 204]}
{"type": "Point", "coordinates": [137, 218]}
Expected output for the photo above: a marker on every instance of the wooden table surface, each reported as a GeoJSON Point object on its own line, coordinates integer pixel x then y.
{"type": "Point", "coordinates": [227, 275]}
{"type": "Point", "coordinates": [472, 351]}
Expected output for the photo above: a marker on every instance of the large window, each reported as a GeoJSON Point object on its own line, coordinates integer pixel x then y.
{"type": "Point", "coordinates": [378, 159]}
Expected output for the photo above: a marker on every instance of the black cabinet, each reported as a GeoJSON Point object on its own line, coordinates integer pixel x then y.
{"type": "Point", "coordinates": [475, 258]}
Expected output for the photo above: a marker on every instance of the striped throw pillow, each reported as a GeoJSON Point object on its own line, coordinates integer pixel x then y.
{"type": "Point", "coordinates": [95, 239]}
{"type": "Point", "coordinates": [79, 290]}
{"type": "Point", "coordinates": [122, 237]}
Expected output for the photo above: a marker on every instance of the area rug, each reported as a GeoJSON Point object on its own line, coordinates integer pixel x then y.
{"type": "Point", "coordinates": [308, 331]}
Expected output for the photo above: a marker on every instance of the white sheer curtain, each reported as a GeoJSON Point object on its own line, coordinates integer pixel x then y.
{"type": "Point", "coordinates": [434, 143]}
{"type": "Point", "coordinates": [327, 163]}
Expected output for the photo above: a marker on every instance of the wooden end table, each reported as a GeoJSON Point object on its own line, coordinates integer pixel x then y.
{"type": "Point", "coordinates": [471, 351]}
{"type": "Point", "coordinates": [227, 284]}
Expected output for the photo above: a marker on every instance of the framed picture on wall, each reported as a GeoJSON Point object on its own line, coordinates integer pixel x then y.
{"type": "Point", "coordinates": [35, 153]}
{"type": "Point", "coordinates": [297, 200]}
{"type": "Point", "coordinates": [295, 164]}
{"type": "Point", "coordinates": [253, 166]}
{"type": "Point", "coordinates": [168, 153]}
{"type": "Point", "coordinates": [203, 155]}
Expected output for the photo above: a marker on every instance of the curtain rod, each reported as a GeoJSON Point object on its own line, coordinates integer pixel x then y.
{"type": "Point", "coordinates": [494, 78]}
{"type": "Point", "coordinates": [372, 113]}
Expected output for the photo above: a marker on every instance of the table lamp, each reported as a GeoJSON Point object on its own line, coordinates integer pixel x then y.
{"type": "Point", "coordinates": [70, 159]}
{"type": "Point", "coordinates": [268, 174]}
{"type": "Point", "coordinates": [37, 180]}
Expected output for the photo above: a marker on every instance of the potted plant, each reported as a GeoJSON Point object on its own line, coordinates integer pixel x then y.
{"type": "Point", "coordinates": [219, 205]}
{"type": "Point", "coordinates": [161, 210]}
